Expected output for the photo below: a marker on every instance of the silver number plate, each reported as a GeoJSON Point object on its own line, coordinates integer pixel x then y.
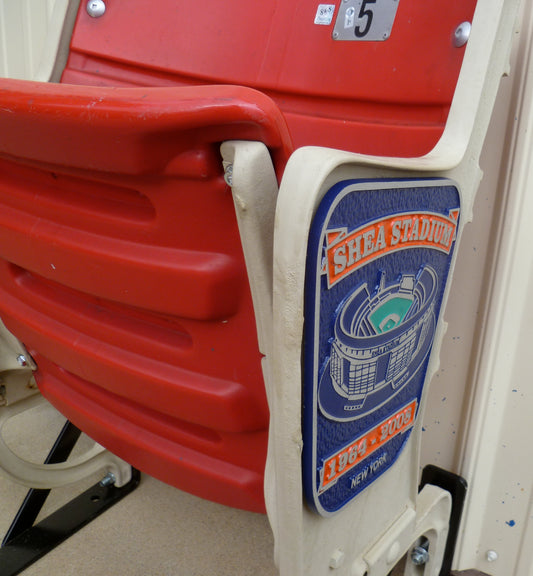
{"type": "Point", "coordinates": [369, 20]}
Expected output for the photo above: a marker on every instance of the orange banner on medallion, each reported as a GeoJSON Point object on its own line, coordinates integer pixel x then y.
{"type": "Point", "coordinates": [358, 450]}
{"type": "Point", "coordinates": [348, 252]}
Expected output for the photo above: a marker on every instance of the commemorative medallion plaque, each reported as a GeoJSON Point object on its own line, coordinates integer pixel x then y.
{"type": "Point", "coordinates": [378, 258]}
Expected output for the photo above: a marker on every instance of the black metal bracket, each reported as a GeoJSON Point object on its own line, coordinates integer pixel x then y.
{"type": "Point", "coordinates": [457, 487]}
{"type": "Point", "coordinates": [26, 542]}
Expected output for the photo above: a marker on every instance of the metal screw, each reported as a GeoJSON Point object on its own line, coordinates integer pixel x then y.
{"type": "Point", "coordinates": [21, 359]}
{"type": "Point", "coordinates": [420, 554]}
{"type": "Point", "coordinates": [462, 34]}
{"type": "Point", "coordinates": [108, 480]}
{"type": "Point", "coordinates": [96, 8]}
{"type": "Point", "coordinates": [492, 556]}
{"type": "Point", "coordinates": [335, 35]}
{"type": "Point", "coordinates": [228, 174]}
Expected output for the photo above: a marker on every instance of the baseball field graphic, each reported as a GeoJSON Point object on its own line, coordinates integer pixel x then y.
{"type": "Point", "coordinates": [380, 341]}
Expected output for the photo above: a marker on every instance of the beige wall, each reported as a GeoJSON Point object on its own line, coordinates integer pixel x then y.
{"type": "Point", "coordinates": [30, 32]}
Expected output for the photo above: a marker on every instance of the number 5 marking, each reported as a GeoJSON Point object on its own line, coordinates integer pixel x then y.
{"type": "Point", "coordinates": [364, 12]}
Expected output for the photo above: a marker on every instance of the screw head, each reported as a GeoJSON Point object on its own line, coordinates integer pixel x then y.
{"type": "Point", "coordinates": [22, 360]}
{"type": "Point", "coordinates": [108, 480]}
{"type": "Point", "coordinates": [492, 556]}
{"type": "Point", "coordinates": [228, 175]}
{"type": "Point", "coordinates": [419, 556]}
{"type": "Point", "coordinates": [462, 34]}
{"type": "Point", "coordinates": [96, 8]}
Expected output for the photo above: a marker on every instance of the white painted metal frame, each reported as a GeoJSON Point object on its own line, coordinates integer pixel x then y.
{"type": "Point", "coordinates": [18, 394]}
{"type": "Point", "coordinates": [377, 520]}
{"type": "Point", "coordinates": [47, 476]}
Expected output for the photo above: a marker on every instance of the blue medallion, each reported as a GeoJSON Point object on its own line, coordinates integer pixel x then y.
{"type": "Point", "coordinates": [378, 259]}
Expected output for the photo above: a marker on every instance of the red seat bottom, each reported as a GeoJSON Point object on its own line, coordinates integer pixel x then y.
{"type": "Point", "coordinates": [214, 465]}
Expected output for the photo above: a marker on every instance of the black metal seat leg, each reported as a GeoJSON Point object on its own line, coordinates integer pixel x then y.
{"type": "Point", "coordinates": [26, 542]}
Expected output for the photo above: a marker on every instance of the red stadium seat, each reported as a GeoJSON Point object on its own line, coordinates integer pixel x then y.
{"type": "Point", "coordinates": [121, 266]}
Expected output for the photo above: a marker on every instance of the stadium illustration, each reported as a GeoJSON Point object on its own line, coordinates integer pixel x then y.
{"type": "Point", "coordinates": [380, 342]}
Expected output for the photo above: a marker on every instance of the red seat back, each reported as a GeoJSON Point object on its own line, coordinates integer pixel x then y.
{"type": "Point", "coordinates": [386, 98]}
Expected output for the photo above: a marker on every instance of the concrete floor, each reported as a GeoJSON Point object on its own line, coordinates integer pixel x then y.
{"type": "Point", "coordinates": [155, 531]}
